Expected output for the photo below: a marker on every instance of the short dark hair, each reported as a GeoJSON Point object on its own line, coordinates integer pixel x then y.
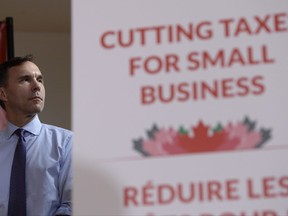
{"type": "Point", "coordinates": [4, 67]}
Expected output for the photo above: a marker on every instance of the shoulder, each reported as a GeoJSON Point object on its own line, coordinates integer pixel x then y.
{"type": "Point", "coordinates": [56, 129]}
{"type": "Point", "coordinates": [58, 138]}
{"type": "Point", "coordinates": [57, 133]}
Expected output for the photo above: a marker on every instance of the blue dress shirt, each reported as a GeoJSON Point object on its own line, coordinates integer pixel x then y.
{"type": "Point", "coordinates": [48, 168]}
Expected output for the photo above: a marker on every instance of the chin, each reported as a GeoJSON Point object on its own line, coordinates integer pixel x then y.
{"type": "Point", "coordinates": [37, 110]}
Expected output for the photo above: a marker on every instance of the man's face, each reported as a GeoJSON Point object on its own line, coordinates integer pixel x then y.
{"type": "Point", "coordinates": [24, 93]}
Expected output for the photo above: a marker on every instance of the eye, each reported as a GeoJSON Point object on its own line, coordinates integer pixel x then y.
{"type": "Point", "coordinates": [24, 79]}
{"type": "Point", "coordinates": [40, 79]}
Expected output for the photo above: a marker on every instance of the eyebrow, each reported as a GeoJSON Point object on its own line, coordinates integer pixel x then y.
{"type": "Point", "coordinates": [29, 76]}
{"type": "Point", "coordinates": [40, 76]}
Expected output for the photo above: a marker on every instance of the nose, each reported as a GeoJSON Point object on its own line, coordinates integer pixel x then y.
{"type": "Point", "coordinates": [36, 86]}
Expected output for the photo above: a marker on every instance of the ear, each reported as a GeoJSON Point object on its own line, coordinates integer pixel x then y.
{"type": "Point", "coordinates": [3, 95]}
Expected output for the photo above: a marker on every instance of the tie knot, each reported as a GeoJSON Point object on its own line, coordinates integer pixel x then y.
{"type": "Point", "coordinates": [20, 132]}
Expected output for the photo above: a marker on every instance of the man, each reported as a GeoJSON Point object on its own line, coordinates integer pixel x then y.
{"type": "Point", "coordinates": [48, 148]}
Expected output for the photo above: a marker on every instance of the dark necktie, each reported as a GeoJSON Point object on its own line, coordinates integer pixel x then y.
{"type": "Point", "coordinates": [17, 196]}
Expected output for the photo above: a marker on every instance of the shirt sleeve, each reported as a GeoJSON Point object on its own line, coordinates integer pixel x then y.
{"type": "Point", "coordinates": [65, 180]}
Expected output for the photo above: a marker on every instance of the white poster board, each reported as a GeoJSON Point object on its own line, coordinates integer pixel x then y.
{"type": "Point", "coordinates": [180, 107]}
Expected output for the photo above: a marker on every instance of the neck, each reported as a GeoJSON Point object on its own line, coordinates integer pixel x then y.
{"type": "Point", "coordinates": [20, 121]}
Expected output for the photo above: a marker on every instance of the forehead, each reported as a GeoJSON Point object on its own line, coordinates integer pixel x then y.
{"type": "Point", "coordinates": [26, 68]}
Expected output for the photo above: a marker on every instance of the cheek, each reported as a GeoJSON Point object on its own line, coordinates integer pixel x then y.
{"type": "Point", "coordinates": [43, 92]}
{"type": "Point", "coordinates": [17, 94]}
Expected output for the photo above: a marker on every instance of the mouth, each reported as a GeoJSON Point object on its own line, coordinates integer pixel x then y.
{"type": "Point", "coordinates": [36, 98]}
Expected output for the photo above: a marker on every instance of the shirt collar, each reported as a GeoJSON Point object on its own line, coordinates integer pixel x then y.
{"type": "Point", "coordinates": [33, 127]}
